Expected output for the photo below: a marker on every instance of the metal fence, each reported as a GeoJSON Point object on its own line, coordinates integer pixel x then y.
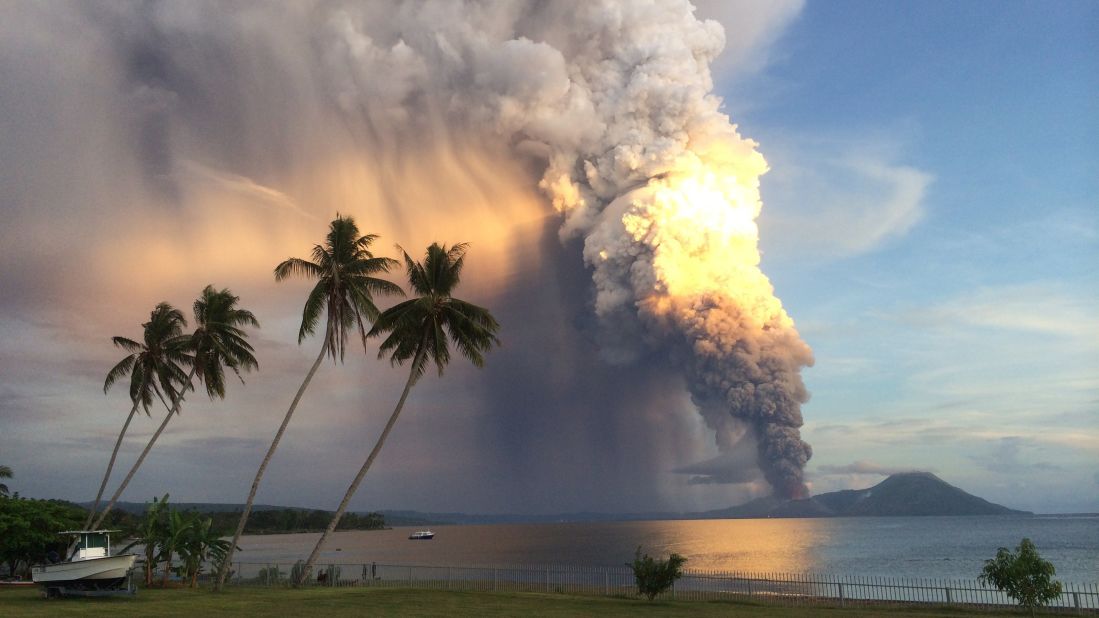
{"type": "Point", "coordinates": [781, 589]}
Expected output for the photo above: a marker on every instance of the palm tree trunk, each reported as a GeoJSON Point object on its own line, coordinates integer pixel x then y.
{"type": "Point", "coordinates": [150, 565]}
{"type": "Point", "coordinates": [167, 570]}
{"type": "Point", "coordinates": [110, 465]}
{"type": "Point", "coordinates": [362, 472]}
{"type": "Point", "coordinates": [267, 459]}
{"type": "Point", "coordinates": [107, 475]}
{"type": "Point", "coordinates": [176, 401]}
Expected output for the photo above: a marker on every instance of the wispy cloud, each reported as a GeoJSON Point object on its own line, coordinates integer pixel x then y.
{"type": "Point", "coordinates": [839, 198]}
{"type": "Point", "coordinates": [240, 186]}
{"type": "Point", "coordinates": [750, 30]}
{"type": "Point", "coordinates": [1013, 455]}
{"type": "Point", "coordinates": [1043, 307]}
{"type": "Point", "coordinates": [864, 466]}
{"type": "Point", "coordinates": [962, 427]}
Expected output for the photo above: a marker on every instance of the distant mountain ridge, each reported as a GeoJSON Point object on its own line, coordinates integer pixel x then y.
{"type": "Point", "coordinates": [910, 494]}
{"type": "Point", "coordinates": [907, 494]}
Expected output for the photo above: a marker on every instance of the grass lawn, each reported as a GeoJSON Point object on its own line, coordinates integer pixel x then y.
{"type": "Point", "coordinates": [360, 601]}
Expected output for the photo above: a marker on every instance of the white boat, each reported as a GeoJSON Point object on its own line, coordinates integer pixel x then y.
{"type": "Point", "coordinates": [422, 535]}
{"type": "Point", "coordinates": [92, 569]}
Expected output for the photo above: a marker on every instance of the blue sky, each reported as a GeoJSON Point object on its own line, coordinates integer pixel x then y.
{"type": "Point", "coordinates": [954, 320]}
{"type": "Point", "coordinates": [930, 221]}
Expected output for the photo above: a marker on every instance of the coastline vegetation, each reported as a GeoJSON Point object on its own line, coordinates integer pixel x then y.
{"type": "Point", "coordinates": [5, 473]}
{"type": "Point", "coordinates": [1024, 575]}
{"type": "Point", "coordinates": [654, 576]}
{"type": "Point", "coordinates": [29, 531]}
{"type": "Point", "coordinates": [290, 521]}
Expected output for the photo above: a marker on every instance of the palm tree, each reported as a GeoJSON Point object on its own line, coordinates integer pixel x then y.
{"type": "Point", "coordinates": [148, 535]}
{"type": "Point", "coordinates": [5, 473]}
{"type": "Point", "coordinates": [173, 535]}
{"type": "Point", "coordinates": [217, 342]}
{"type": "Point", "coordinates": [154, 367]}
{"type": "Point", "coordinates": [420, 330]}
{"type": "Point", "coordinates": [344, 269]}
{"type": "Point", "coordinates": [201, 543]}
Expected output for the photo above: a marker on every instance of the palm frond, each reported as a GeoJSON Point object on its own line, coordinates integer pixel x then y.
{"type": "Point", "coordinates": [375, 286]}
{"type": "Point", "coordinates": [118, 371]}
{"type": "Point", "coordinates": [127, 344]}
{"type": "Point", "coordinates": [472, 328]}
{"type": "Point", "coordinates": [364, 242]}
{"type": "Point", "coordinates": [475, 314]}
{"type": "Point", "coordinates": [456, 258]}
{"type": "Point", "coordinates": [422, 328]}
{"type": "Point", "coordinates": [440, 350]}
{"type": "Point", "coordinates": [243, 317]}
{"type": "Point", "coordinates": [218, 342]}
{"type": "Point", "coordinates": [371, 265]}
{"type": "Point", "coordinates": [361, 303]}
{"type": "Point", "coordinates": [311, 313]}
{"type": "Point", "coordinates": [297, 267]}
{"type": "Point", "coordinates": [343, 266]}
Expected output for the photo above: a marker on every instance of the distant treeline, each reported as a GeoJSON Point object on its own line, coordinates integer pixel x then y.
{"type": "Point", "coordinates": [294, 520]}
{"type": "Point", "coordinates": [273, 521]}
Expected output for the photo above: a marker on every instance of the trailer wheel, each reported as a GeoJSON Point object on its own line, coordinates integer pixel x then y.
{"type": "Point", "coordinates": [53, 593]}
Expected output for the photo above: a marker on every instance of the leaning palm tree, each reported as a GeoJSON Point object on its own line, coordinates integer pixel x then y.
{"type": "Point", "coordinates": [5, 473]}
{"type": "Point", "coordinates": [155, 368]}
{"type": "Point", "coordinates": [344, 269]}
{"type": "Point", "coordinates": [217, 342]}
{"type": "Point", "coordinates": [420, 330]}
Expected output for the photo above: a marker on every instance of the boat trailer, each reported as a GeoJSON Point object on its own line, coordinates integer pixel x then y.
{"type": "Point", "coordinates": [123, 586]}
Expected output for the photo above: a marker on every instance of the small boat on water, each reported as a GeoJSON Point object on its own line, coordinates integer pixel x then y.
{"type": "Point", "coordinates": [421, 535]}
{"type": "Point", "coordinates": [92, 570]}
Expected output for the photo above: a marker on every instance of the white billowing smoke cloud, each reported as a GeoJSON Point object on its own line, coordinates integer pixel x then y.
{"type": "Point", "coordinates": [609, 103]}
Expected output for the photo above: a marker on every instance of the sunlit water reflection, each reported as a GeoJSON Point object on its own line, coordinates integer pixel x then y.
{"type": "Point", "coordinates": [947, 547]}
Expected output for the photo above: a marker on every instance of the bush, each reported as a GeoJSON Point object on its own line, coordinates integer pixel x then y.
{"type": "Point", "coordinates": [655, 576]}
{"type": "Point", "coordinates": [1023, 575]}
{"type": "Point", "coordinates": [270, 575]}
{"type": "Point", "coordinates": [29, 530]}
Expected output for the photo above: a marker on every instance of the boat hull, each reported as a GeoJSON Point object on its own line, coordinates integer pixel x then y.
{"type": "Point", "coordinates": [95, 571]}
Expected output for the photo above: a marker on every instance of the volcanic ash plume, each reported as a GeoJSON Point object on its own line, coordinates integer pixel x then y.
{"type": "Point", "coordinates": [666, 200]}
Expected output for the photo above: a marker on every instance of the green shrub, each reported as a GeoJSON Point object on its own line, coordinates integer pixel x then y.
{"type": "Point", "coordinates": [655, 576]}
{"type": "Point", "coordinates": [1023, 575]}
{"type": "Point", "coordinates": [270, 575]}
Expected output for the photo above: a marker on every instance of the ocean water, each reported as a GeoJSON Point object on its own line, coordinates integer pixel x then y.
{"type": "Point", "coordinates": [909, 547]}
